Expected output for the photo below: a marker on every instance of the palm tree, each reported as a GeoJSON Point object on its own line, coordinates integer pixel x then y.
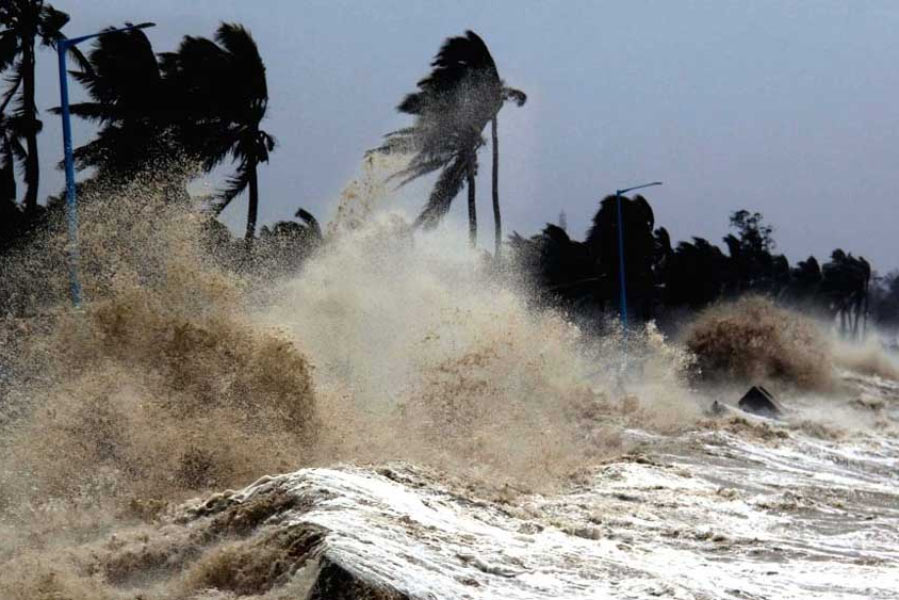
{"type": "Point", "coordinates": [845, 283]}
{"type": "Point", "coordinates": [11, 150]}
{"type": "Point", "coordinates": [130, 100]}
{"type": "Point", "coordinates": [452, 106]}
{"type": "Point", "coordinates": [223, 86]}
{"type": "Point", "coordinates": [24, 23]}
{"type": "Point", "coordinates": [10, 213]}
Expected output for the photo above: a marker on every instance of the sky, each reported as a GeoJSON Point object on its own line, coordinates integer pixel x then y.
{"type": "Point", "coordinates": [785, 107]}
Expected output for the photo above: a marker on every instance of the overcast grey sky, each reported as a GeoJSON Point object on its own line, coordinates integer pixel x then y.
{"type": "Point", "coordinates": [787, 107]}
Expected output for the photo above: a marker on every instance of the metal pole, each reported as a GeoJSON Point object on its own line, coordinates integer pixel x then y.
{"type": "Point", "coordinates": [621, 276]}
{"type": "Point", "coordinates": [71, 207]}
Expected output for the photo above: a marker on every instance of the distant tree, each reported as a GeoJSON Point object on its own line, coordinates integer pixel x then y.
{"type": "Point", "coordinates": [696, 274]}
{"type": "Point", "coordinates": [583, 277]}
{"type": "Point", "coordinates": [755, 267]}
{"type": "Point", "coordinates": [845, 285]}
{"type": "Point", "coordinates": [754, 235]}
{"type": "Point", "coordinates": [25, 23]}
{"type": "Point", "coordinates": [285, 245]}
{"type": "Point", "coordinates": [452, 106]}
{"type": "Point", "coordinates": [223, 88]}
{"type": "Point", "coordinates": [804, 287]}
{"type": "Point", "coordinates": [558, 268]}
{"type": "Point", "coordinates": [639, 251]}
{"type": "Point", "coordinates": [885, 302]}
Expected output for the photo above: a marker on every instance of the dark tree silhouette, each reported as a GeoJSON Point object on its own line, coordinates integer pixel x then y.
{"type": "Point", "coordinates": [559, 268]}
{"type": "Point", "coordinates": [131, 101]}
{"type": "Point", "coordinates": [804, 286]}
{"type": "Point", "coordinates": [639, 251]}
{"type": "Point", "coordinates": [583, 276]}
{"type": "Point", "coordinates": [223, 87]}
{"type": "Point", "coordinates": [11, 217]}
{"type": "Point", "coordinates": [755, 267]}
{"type": "Point", "coordinates": [754, 234]}
{"type": "Point", "coordinates": [10, 150]}
{"type": "Point", "coordinates": [285, 245]}
{"type": "Point", "coordinates": [696, 274]}
{"type": "Point", "coordinates": [885, 303]}
{"type": "Point", "coordinates": [845, 285]}
{"type": "Point", "coordinates": [452, 106]}
{"type": "Point", "coordinates": [24, 24]}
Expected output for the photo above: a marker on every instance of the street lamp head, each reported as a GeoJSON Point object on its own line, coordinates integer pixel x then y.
{"type": "Point", "coordinates": [637, 187]}
{"type": "Point", "coordinates": [68, 43]}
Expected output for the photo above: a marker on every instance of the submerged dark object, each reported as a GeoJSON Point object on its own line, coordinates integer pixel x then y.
{"type": "Point", "coordinates": [759, 401]}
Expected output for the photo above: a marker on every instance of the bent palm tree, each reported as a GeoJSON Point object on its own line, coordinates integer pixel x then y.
{"type": "Point", "coordinates": [25, 22]}
{"type": "Point", "coordinates": [223, 84]}
{"type": "Point", "coordinates": [131, 101]}
{"type": "Point", "coordinates": [452, 106]}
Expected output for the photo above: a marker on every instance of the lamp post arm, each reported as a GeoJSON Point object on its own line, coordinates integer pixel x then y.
{"type": "Point", "coordinates": [77, 40]}
{"type": "Point", "coordinates": [637, 187]}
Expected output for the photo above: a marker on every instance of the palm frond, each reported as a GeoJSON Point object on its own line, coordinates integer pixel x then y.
{"type": "Point", "coordinates": [445, 190]}
{"type": "Point", "coordinates": [91, 111]}
{"type": "Point", "coordinates": [80, 59]}
{"type": "Point", "coordinates": [515, 95]}
{"type": "Point", "coordinates": [49, 25]}
{"type": "Point", "coordinates": [235, 185]}
{"type": "Point", "coordinates": [14, 81]}
{"type": "Point", "coordinates": [9, 48]}
{"type": "Point", "coordinates": [311, 223]}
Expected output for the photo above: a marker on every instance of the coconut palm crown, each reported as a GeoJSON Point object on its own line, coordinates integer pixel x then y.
{"type": "Point", "coordinates": [452, 106]}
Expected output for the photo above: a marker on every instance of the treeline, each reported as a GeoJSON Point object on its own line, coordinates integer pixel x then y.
{"type": "Point", "coordinates": [663, 280]}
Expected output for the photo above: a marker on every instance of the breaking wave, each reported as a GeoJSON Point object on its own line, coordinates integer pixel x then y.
{"type": "Point", "coordinates": [157, 388]}
{"type": "Point", "coordinates": [752, 339]}
{"type": "Point", "coordinates": [182, 374]}
{"type": "Point", "coordinates": [187, 371]}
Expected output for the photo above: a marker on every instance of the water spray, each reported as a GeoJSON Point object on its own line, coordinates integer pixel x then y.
{"type": "Point", "coordinates": [62, 47]}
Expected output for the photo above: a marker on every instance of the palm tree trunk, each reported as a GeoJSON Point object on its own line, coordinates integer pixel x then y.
{"type": "Point", "coordinates": [32, 166]}
{"type": "Point", "coordinates": [865, 308]}
{"type": "Point", "coordinates": [253, 210]}
{"type": "Point", "coordinates": [497, 219]}
{"type": "Point", "coordinates": [472, 210]}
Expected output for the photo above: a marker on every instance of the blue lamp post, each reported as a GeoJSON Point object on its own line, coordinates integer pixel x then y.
{"type": "Point", "coordinates": [621, 277]}
{"type": "Point", "coordinates": [62, 47]}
